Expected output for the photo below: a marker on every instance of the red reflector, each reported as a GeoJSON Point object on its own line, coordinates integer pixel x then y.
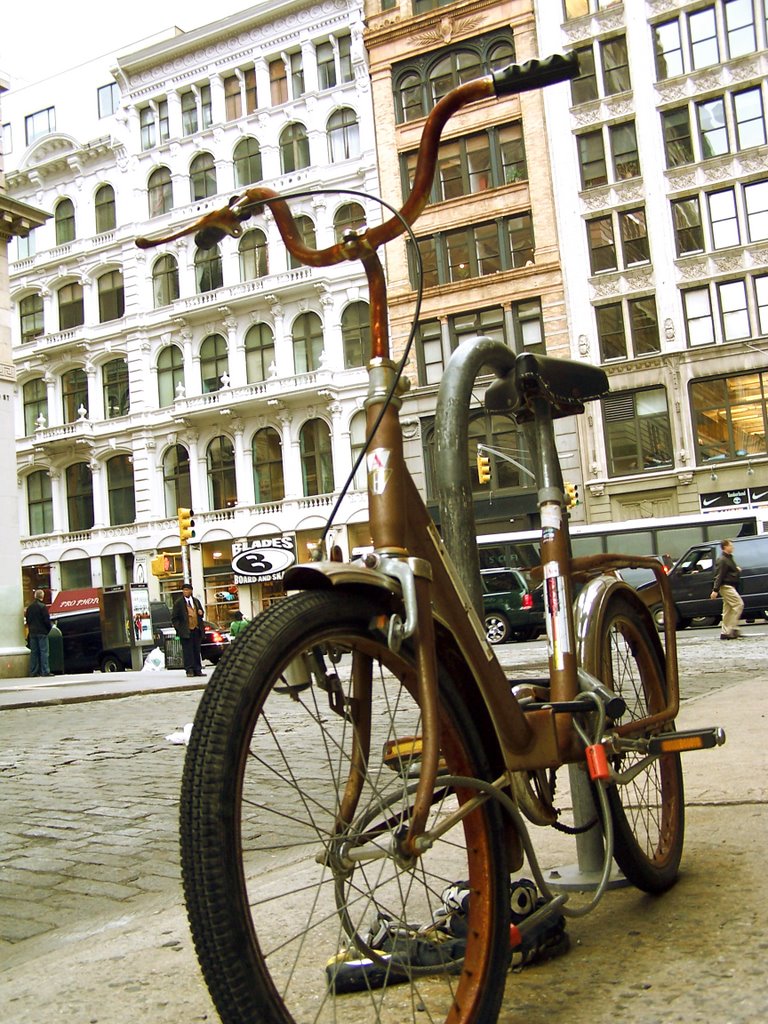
{"type": "Point", "coordinates": [515, 937]}
{"type": "Point", "coordinates": [597, 762]}
{"type": "Point", "coordinates": [527, 601]}
{"type": "Point", "coordinates": [216, 638]}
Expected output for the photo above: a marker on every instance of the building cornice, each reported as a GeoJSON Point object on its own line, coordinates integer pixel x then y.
{"type": "Point", "coordinates": [18, 219]}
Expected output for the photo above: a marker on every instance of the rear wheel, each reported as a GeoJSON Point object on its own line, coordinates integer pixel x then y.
{"type": "Point", "coordinates": [111, 663]}
{"type": "Point", "coordinates": [496, 628]}
{"type": "Point", "coordinates": [302, 757]}
{"type": "Point", "coordinates": [648, 812]}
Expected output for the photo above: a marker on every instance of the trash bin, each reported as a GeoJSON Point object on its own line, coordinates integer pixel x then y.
{"type": "Point", "coordinates": [174, 656]}
{"type": "Point", "coordinates": [55, 650]}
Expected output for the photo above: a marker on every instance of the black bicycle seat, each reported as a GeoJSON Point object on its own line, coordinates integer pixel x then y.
{"type": "Point", "coordinates": [565, 384]}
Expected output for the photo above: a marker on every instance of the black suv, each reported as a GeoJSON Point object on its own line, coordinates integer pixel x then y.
{"type": "Point", "coordinates": [512, 608]}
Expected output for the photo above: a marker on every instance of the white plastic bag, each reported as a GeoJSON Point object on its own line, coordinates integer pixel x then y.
{"type": "Point", "coordinates": [155, 661]}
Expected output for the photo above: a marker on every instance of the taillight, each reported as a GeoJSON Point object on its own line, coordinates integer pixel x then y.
{"type": "Point", "coordinates": [527, 601]}
{"type": "Point", "coordinates": [216, 637]}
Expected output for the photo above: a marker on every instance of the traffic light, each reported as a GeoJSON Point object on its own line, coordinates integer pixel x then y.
{"type": "Point", "coordinates": [159, 565]}
{"type": "Point", "coordinates": [571, 495]}
{"type": "Point", "coordinates": [186, 525]}
{"type": "Point", "coordinates": [483, 468]}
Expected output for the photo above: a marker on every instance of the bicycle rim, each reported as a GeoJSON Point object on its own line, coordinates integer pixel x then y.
{"type": "Point", "coordinates": [271, 896]}
{"type": "Point", "coordinates": [648, 813]}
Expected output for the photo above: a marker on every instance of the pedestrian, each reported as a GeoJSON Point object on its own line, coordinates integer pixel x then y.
{"type": "Point", "coordinates": [38, 626]}
{"type": "Point", "coordinates": [726, 586]}
{"type": "Point", "coordinates": [187, 617]}
{"type": "Point", "coordinates": [238, 624]}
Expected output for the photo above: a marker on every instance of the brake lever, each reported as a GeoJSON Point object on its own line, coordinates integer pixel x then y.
{"type": "Point", "coordinates": [213, 226]}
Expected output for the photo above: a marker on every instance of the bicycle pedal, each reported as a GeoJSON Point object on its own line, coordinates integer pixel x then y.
{"type": "Point", "coordinates": [691, 739]}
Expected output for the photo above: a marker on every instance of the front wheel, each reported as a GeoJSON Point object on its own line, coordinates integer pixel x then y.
{"type": "Point", "coordinates": [297, 790]}
{"type": "Point", "coordinates": [648, 812]}
{"type": "Point", "coordinates": [496, 628]}
{"type": "Point", "coordinates": [111, 663]}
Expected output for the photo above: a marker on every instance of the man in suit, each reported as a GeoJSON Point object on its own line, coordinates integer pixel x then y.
{"type": "Point", "coordinates": [187, 617]}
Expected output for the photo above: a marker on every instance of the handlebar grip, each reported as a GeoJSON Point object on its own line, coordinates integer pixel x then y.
{"type": "Point", "coordinates": [534, 74]}
{"type": "Point", "coordinates": [208, 237]}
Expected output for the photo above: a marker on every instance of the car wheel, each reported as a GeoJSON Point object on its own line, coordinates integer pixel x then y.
{"type": "Point", "coordinates": [496, 628]}
{"type": "Point", "coordinates": [111, 663]}
{"type": "Point", "coordinates": [657, 612]}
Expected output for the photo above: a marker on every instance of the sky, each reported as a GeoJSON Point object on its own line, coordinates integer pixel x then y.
{"type": "Point", "coordinates": [43, 37]}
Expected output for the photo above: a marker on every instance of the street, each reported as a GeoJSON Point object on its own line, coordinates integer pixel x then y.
{"type": "Point", "coordinates": [92, 927]}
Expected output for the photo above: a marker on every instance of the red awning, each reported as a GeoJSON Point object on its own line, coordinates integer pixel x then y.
{"type": "Point", "coordinates": [67, 602]}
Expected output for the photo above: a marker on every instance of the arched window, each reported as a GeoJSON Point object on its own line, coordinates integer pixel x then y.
{"type": "Point", "coordinates": [343, 135]}
{"type": "Point", "coordinates": [247, 162]}
{"type": "Point", "coordinates": [117, 401]}
{"type": "Point", "coordinates": [316, 463]}
{"type": "Point", "coordinates": [410, 94]}
{"type": "Point", "coordinates": [307, 231]}
{"type": "Point", "coordinates": [208, 271]}
{"type": "Point", "coordinates": [31, 319]}
{"type": "Point", "coordinates": [268, 480]}
{"type": "Point", "coordinates": [120, 491]}
{"type": "Point", "coordinates": [35, 404]}
{"type": "Point", "coordinates": [294, 148]}
{"type": "Point", "coordinates": [202, 177]}
{"type": "Point", "coordinates": [259, 352]}
{"type": "Point", "coordinates": [71, 306]}
{"type": "Point", "coordinates": [79, 483]}
{"type": "Point", "coordinates": [356, 334]}
{"type": "Point", "coordinates": [214, 362]}
{"type": "Point", "coordinates": [106, 214]}
{"type": "Point", "coordinates": [39, 503]}
{"type": "Point", "coordinates": [74, 393]}
{"type": "Point", "coordinates": [350, 215]}
{"type": "Point", "coordinates": [307, 342]}
{"type": "Point", "coordinates": [170, 373]}
{"type": "Point", "coordinates": [64, 219]}
{"type": "Point", "coordinates": [500, 55]}
{"type": "Point", "coordinates": [165, 281]}
{"type": "Point", "coordinates": [253, 255]}
{"type": "Point", "coordinates": [111, 296]}
{"type": "Point", "coordinates": [357, 431]}
{"type": "Point", "coordinates": [160, 192]}
{"type": "Point", "coordinates": [222, 485]}
{"type": "Point", "coordinates": [177, 481]}
{"type": "Point", "coordinates": [452, 70]}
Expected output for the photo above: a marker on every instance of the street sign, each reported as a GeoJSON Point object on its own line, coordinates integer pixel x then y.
{"type": "Point", "coordinates": [256, 561]}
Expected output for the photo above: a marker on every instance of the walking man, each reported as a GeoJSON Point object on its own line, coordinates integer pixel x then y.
{"type": "Point", "coordinates": [726, 586]}
{"type": "Point", "coordinates": [187, 617]}
{"type": "Point", "coordinates": [39, 626]}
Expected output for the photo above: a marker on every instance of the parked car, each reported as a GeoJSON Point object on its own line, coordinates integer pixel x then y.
{"type": "Point", "coordinates": [513, 609]}
{"type": "Point", "coordinates": [214, 642]}
{"type": "Point", "coordinates": [692, 575]}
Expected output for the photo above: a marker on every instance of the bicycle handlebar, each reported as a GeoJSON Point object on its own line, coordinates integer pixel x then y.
{"type": "Point", "coordinates": [213, 227]}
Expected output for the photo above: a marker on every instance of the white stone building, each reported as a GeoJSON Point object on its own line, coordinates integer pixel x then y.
{"type": "Point", "coordinates": [228, 381]}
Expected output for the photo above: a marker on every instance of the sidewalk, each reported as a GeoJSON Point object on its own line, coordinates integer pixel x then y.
{"type": "Point", "coordinates": [66, 689]}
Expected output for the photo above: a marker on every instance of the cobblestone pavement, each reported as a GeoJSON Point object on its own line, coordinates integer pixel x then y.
{"type": "Point", "coordinates": [89, 856]}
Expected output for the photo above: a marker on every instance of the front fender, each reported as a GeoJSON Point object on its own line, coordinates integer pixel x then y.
{"type": "Point", "coordinates": [327, 575]}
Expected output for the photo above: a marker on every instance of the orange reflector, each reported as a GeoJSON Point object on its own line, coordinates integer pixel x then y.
{"type": "Point", "coordinates": [404, 749]}
{"type": "Point", "coordinates": [677, 743]}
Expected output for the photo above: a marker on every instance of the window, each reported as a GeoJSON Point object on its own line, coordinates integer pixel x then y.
{"type": "Point", "coordinates": [222, 483]}
{"type": "Point", "coordinates": [358, 430]}
{"type": "Point", "coordinates": [713, 132]}
{"type": "Point", "coordinates": [214, 363]}
{"type": "Point", "coordinates": [635, 319]}
{"type": "Point", "coordinates": [602, 247]}
{"type": "Point", "coordinates": [669, 50]}
{"type": "Point", "coordinates": [170, 374]}
{"type": "Point", "coordinates": [239, 94]}
{"type": "Point", "coordinates": [196, 109]}
{"type": "Point", "coordinates": [41, 123]}
{"type": "Point", "coordinates": [334, 62]}
{"type": "Point", "coordinates": [208, 270]}
{"type": "Point", "coordinates": [35, 398]}
{"type": "Point", "coordinates": [615, 65]}
{"type": "Point", "coordinates": [638, 436]}
{"type": "Point", "coordinates": [160, 192]}
{"type": "Point", "coordinates": [348, 217]}
{"type": "Point", "coordinates": [79, 483]}
{"type": "Point", "coordinates": [735, 216]}
{"type": "Point", "coordinates": [307, 232]}
{"type": "Point", "coordinates": [723, 219]}
{"type": "Point", "coordinates": [434, 344]}
{"type": "Point", "coordinates": [26, 245]}
{"type": "Point", "coordinates": [106, 217]}
{"type": "Point", "coordinates": [111, 296]}
{"type": "Point", "coordinates": [268, 482]}
{"type": "Point", "coordinates": [117, 400]}
{"type": "Point", "coordinates": [756, 206]}
{"type": "Point", "coordinates": [725, 310]}
{"type": "Point", "coordinates": [31, 317]}
{"type": "Point", "coordinates": [316, 463]}
{"type": "Point", "coordinates": [748, 115]}
{"type": "Point", "coordinates": [725, 124]}
{"type": "Point", "coordinates": [343, 135]}
{"type": "Point", "coordinates": [74, 394]}
{"type": "Point", "coordinates": [278, 82]}
{"type": "Point", "coordinates": [634, 237]}
{"type": "Point", "coordinates": [644, 325]}
{"type": "Point", "coordinates": [476, 250]}
{"type": "Point", "coordinates": [247, 158]}
{"type": "Point", "coordinates": [626, 159]}
{"type": "Point", "coordinates": [528, 326]}
{"type": "Point", "coordinates": [71, 306]}
{"type": "Point", "coordinates": [297, 74]}
{"type": "Point", "coordinates": [686, 220]}
{"type": "Point", "coordinates": [39, 503]}
{"type": "Point", "coordinates": [294, 148]}
{"type": "Point", "coordinates": [578, 8]}
{"type": "Point", "coordinates": [678, 144]}
{"type": "Point", "coordinates": [120, 491]}
{"type": "Point", "coordinates": [691, 42]}
{"type": "Point", "coordinates": [202, 177]}
{"type": "Point", "coordinates": [64, 219]}
{"type": "Point", "coordinates": [307, 342]}
{"type": "Point", "coordinates": [165, 281]}
{"type": "Point", "coordinates": [108, 99]}
{"type": "Point", "coordinates": [734, 314]}
{"type": "Point", "coordinates": [253, 255]}
{"type": "Point", "coordinates": [698, 316]}
{"type": "Point", "coordinates": [259, 352]}
{"type": "Point", "coordinates": [702, 30]}
{"type": "Point", "coordinates": [610, 332]}
{"type": "Point", "coordinates": [592, 159]}
{"type": "Point", "coordinates": [420, 82]}
{"type": "Point", "coordinates": [730, 416]}
{"type": "Point", "coordinates": [153, 124]}
{"type": "Point", "coordinates": [584, 86]}
{"type": "Point", "coordinates": [740, 27]}
{"type": "Point", "coordinates": [356, 334]}
{"type": "Point", "coordinates": [177, 484]}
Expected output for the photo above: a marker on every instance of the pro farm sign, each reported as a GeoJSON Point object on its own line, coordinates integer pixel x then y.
{"type": "Point", "coordinates": [256, 561]}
